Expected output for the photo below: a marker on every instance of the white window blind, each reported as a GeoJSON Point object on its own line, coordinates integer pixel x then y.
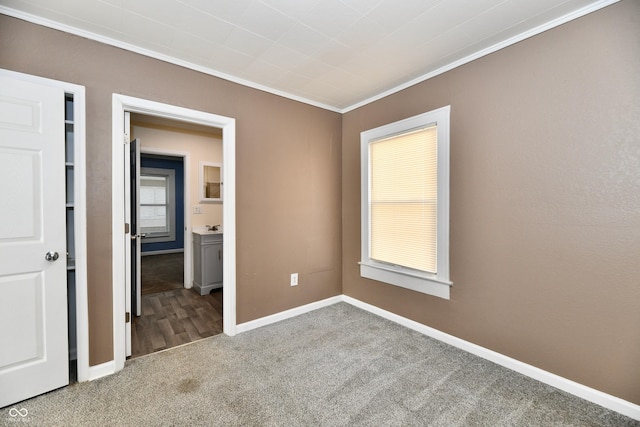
{"type": "Point", "coordinates": [405, 203]}
{"type": "Point", "coordinates": [403, 199]}
{"type": "Point", "coordinates": [154, 203]}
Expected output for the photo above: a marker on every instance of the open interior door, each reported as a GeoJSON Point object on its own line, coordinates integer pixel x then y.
{"type": "Point", "coordinates": [136, 235]}
{"type": "Point", "coordinates": [133, 295]}
{"type": "Point", "coordinates": [34, 351]}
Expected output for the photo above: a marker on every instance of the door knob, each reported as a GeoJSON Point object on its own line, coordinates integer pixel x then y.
{"type": "Point", "coordinates": [51, 256]}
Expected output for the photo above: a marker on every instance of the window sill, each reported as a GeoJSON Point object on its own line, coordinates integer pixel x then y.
{"type": "Point", "coordinates": [158, 238]}
{"type": "Point", "coordinates": [427, 285]}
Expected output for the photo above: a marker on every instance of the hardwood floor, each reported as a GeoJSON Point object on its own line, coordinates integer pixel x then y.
{"type": "Point", "coordinates": [161, 273]}
{"type": "Point", "coordinates": [175, 315]}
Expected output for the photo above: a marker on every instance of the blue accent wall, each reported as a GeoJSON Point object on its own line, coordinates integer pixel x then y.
{"type": "Point", "coordinates": [175, 163]}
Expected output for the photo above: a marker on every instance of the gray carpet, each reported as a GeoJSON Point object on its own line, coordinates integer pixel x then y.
{"type": "Point", "coordinates": [336, 366]}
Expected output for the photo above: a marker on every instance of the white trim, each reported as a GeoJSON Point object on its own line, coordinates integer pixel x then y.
{"type": "Point", "coordinates": [80, 212]}
{"type": "Point", "coordinates": [120, 105]}
{"type": "Point", "coordinates": [436, 284]}
{"type": "Point", "coordinates": [80, 230]}
{"type": "Point", "coordinates": [229, 221]}
{"type": "Point", "coordinates": [102, 370]}
{"type": "Point", "coordinates": [287, 314]}
{"type": "Point", "coordinates": [166, 58]}
{"type": "Point", "coordinates": [186, 168]}
{"type": "Point", "coordinates": [163, 235]}
{"type": "Point", "coordinates": [157, 55]}
{"type": "Point", "coordinates": [605, 400]}
{"type": "Point", "coordinates": [486, 51]}
{"type": "Point", "coordinates": [425, 285]}
{"type": "Point", "coordinates": [592, 395]}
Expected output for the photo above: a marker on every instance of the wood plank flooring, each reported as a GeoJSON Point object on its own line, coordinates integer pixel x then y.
{"type": "Point", "coordinates": [171, 314]}
{"type": "Point", "coordinates": [162, 272]}
{"type": "Point", "coordinates": [174, 318]}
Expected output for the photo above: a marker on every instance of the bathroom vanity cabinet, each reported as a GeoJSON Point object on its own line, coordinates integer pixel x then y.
{"type": "Point", "coordinates": [207, 261]}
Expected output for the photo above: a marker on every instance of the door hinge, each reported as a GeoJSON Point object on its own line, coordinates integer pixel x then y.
{"type": "Point", "coordinates": [126, 228]}
{"type": "Point", "coordinates": [125, 138]}
{"type": "Point", "coordinates": [127, 317]}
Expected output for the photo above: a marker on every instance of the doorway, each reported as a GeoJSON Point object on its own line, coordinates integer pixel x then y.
{"type": "Point", "coordinates": [121, 265]}
{"type": "Point", "coordinates": [161, 207]}
{"type": "Point", "coordinates": [170, 313]}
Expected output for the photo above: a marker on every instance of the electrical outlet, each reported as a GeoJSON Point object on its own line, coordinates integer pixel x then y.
{"type": "Point", "coordinates": [294, 279]}
{"type": "Point", "coordinates": [197, 209]}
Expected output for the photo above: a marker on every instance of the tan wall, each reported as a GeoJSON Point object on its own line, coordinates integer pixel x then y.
{"type": "Point", "coordinates": [288, 170]}
{"type": "Point", "coordinates": [545, 176]}
{"type": "Point", "coordinates": [545, 201]}
{"type": "Point", "coordinates": [201, 148]}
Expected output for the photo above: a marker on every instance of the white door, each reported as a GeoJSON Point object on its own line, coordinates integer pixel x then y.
{"type": "Point", "coordinates": [33, 287]}
{"type": "Point", "coordinates": [133, 283]}
{"type": "Point", "coordinates": [136, 234]}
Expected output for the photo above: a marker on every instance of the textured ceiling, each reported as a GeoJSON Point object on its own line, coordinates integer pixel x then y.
{"type": "Point", "coordinates": [336, 54]}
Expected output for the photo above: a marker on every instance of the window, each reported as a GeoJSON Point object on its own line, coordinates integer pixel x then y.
{"type": "Point", "coordinates": [405, 203]}
{"type": "Point", "coordinates": [157, 205]}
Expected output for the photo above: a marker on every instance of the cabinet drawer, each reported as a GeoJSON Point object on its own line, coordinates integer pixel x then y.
{"type": "Point", "coordinates": [203, 239]}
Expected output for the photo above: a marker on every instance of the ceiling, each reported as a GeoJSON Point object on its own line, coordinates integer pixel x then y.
{"type": "Point", "coordinates": [336, 54]}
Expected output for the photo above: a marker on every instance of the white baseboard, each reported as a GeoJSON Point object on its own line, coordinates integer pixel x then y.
{"type": "Point", "coordinates": [102, 370]}
{"type": "Point", "coordinates": [608, 401]}
{"type": "Point", "coordinates": [287, 314]}
{"type": "Point", "coordinates": [605, 400]}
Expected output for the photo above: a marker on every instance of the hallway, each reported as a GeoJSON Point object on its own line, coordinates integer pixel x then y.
{"type": "Point", "coordinates": [172, 315]}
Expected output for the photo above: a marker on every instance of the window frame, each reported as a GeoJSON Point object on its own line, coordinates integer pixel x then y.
{"type": "Point", "coordinates": [437, 284]}
{"type": "Point", "coordinates": [152, 236]}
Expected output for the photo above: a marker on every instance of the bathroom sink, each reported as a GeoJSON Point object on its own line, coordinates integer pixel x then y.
{"type": "Point", "coordinates": [204, 231]}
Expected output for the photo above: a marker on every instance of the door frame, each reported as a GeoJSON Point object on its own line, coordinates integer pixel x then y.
{"type": "Point", "coordinates": [121, 104]}
{"type": "Point", "coordinates": [187, 277]}
{"type": "Point", "coordinates": [80, 213]}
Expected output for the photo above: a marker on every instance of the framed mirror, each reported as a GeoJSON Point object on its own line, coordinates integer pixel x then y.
{"type": "Point", "coordinates": [210, 182]}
